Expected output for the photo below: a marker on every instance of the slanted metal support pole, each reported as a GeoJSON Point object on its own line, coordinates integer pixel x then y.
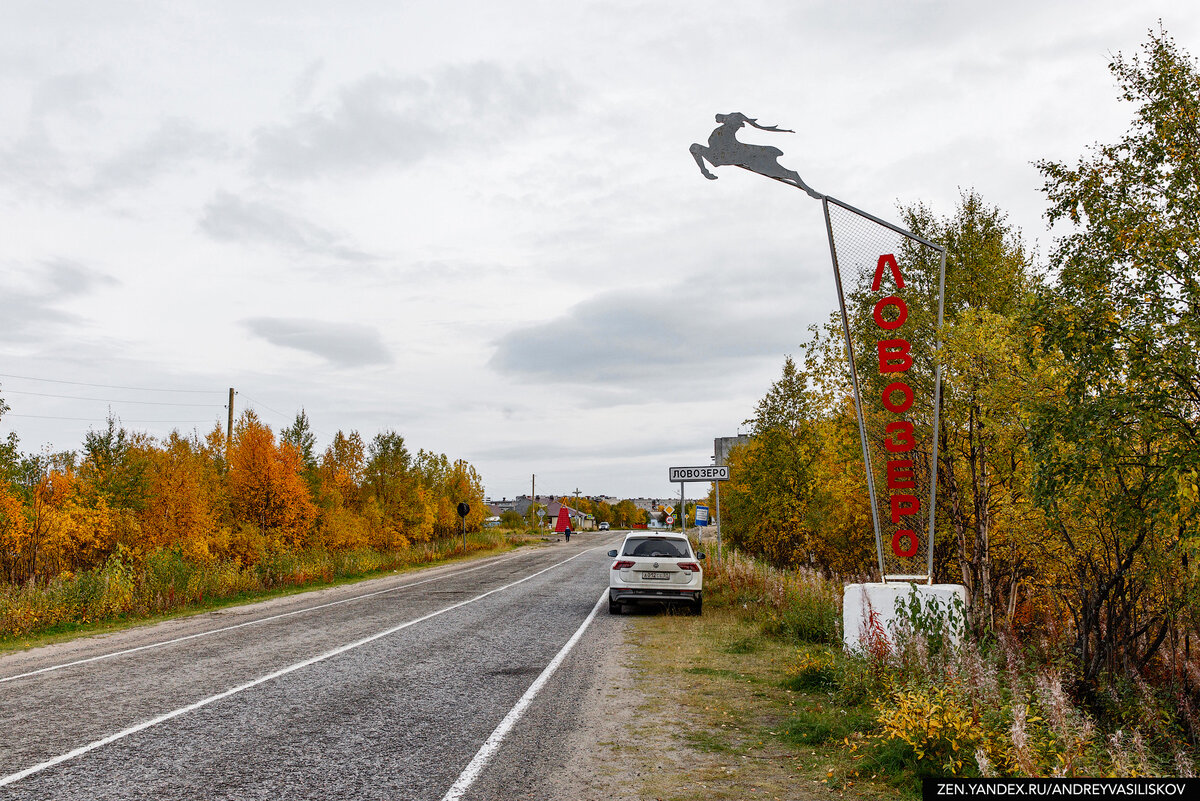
{"type": "Point", "coordinates": [858, 408]}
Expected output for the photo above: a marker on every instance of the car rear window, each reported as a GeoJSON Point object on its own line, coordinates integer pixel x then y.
{"type": "Point", "coordinates": [655, 546]}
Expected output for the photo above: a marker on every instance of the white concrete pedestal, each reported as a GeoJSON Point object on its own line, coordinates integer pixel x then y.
{"type": "Point", "coordinates": [859, 600]}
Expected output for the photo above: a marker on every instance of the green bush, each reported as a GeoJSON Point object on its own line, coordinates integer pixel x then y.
{"type": "Point", "coordinates": [812, 670]}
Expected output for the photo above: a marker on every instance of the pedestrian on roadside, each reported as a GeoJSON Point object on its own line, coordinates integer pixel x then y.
{"type": "Point", "coordinates": [567, 533]}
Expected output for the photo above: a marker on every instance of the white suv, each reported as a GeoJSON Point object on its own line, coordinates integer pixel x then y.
{"type": "Point", "coordinates": [655, 568]}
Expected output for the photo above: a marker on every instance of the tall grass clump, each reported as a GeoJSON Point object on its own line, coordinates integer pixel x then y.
{"type": "Point", "coordinates": [129, 585]}
{"type": "Point", "coordinates": [798, 604]}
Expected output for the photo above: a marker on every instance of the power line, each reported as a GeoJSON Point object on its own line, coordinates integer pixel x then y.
{"type": "Point", "coordinates": [283, 416]}
{"type": "Point", "coordinates": [106, 386]}
{"type": "Point", "coordinates": [112, 400]}
{"type": "Point", "coordinates": [94, 420]}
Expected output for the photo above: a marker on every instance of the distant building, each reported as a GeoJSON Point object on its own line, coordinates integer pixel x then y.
{"type": "Point", "coordinates": [579, 520]}
{"type": "Point", "coordinates": [522, 502]}
{"type": "Point", "coordinates": [501, 506]}
{"type": "Point", "coordinates": [723, 445]}
{"type": "Point", "coordinates": [646, 504]}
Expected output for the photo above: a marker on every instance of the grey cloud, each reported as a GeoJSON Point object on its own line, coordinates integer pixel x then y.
{"type": "Point", "coordinates": [623, 450]}
{"type": "Point", "coordinates": [30, 158]}
{"type": "Point", "coordinates": [175, 143]}
{"type": "Point", "coordinates": [307, 82]}
{"type": "Point", "coordinates": [69, 93]}
{"type": "Point", "coordinates": [399, 120]}
{"type": "Point", "coordinates": [621, 343]}
{"type": "Point", "coordinates": [228, 218]}
{"type": "Point", "coordinates": [33, 158]}
{"type": "Point", "coordinates": [71, 279]}
{"type": "Point", "coordinates": [340, 344]}
{"type": "Point", "coordinates": [28, 312]}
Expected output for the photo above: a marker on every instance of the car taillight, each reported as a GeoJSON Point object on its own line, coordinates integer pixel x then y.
{"type": "Point", "coordinates": [692, 566]}
{"type": "Point", "coordinates": [621, 565]}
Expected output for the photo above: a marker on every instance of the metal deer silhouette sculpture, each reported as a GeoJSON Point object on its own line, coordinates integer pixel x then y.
{"type": "Point", "coordinates": [724, 149]}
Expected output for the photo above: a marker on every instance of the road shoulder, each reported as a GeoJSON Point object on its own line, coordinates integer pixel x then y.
{"type": "Point", "coordinates": [685, 708]}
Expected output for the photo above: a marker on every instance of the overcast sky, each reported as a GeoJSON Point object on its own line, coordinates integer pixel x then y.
{"type": "Point", "coordinates": [478, 223]}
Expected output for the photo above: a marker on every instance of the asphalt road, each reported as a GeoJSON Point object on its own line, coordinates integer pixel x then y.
{"type": "Point", "coordinates": [385, 689]}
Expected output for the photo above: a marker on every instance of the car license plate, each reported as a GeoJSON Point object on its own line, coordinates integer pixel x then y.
{"type": "Point", "coordinates": [657, 576]}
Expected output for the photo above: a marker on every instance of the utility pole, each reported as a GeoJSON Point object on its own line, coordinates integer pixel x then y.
{"type": "Point", "coordinates": [229, 430]}
{"type": "Point", "coordinates": [533, 501]}
{"type": "Point", "coordinates": [717, 488]}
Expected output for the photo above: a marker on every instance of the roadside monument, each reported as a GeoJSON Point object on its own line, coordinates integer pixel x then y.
{"type": "Point", "coordinates": [891, 314]}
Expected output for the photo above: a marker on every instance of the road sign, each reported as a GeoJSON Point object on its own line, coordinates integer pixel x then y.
{"type": "Point", "coordinates": [669, 509]}
{"type": "Point", "coordinates": [670, 520]}
{"type": "Point", "coordinates": [707, 473]}
{"type": "Point", "coordinates": [701, 515]}
{"type": "Point", "coordinates": [464, 509]}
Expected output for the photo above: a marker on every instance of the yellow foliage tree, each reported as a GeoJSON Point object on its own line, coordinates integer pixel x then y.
{"type": "Point", "coordinates": [266, 487]}
{"type": "Point", "coordinates": [182, 507]}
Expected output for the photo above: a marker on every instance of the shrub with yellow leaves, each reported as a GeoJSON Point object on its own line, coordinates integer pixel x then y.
{"type": "Point", "coordinates": [942, 734]}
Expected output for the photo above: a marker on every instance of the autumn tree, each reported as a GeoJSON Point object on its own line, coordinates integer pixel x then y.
{"type": "Point", "coordinates": [604, 513]}
{"type": "Point", "coordinates": [338, 493]}
{"type": "Point", "coordinates": [983, 464]}
{"type": "Point", "coordinates": [115, 465]}
{"type": "Point", "coordinates": [63, 525]}
{"type": "Point", "coordinates": [627, 514]}
{"type": "Point", "coordinates": [265, 485]}
{"type": "Point", "coordinates": [185, 500]}
{"type": "Point", "coordinates": [466, 486]}
{"type": "Point", "coordinates": [342, 468]}
{"type": "Point", "coordinates": [1118, 454]}
{"type": "Point", "coordinates": [10, 454]}
{"type": "Point", "coordinates": [301, 437]}
{"type": "Point", "coordinates": [391, 487]}
{"type": "Point", "coordinates": [12, 527]}
{"type": "Point", "coordinates": [12, 510]}
{"type": "Point", "coordinates": [765, 503]}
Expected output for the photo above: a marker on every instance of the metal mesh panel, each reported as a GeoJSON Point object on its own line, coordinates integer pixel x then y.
{"type": "Point", "coordinates": [897, 383]}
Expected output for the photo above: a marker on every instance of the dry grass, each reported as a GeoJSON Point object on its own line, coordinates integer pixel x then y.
{"type": "Point", "coordinates": [127, 592]}
{"type": "Point", "coordinates": [715, 686]}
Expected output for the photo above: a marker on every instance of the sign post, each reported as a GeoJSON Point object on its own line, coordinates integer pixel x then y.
{"type": "Point", "coordinates": [708, 473]}
{"type": "Point", "coordinates": [717, 484]}
{"type": "Point", "coordinates": [682, 511]}
{"type": "Point", "coordinates": [464, 509]}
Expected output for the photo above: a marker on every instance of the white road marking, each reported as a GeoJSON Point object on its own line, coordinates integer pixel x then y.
{"type": "Point", "coordinates": [92, 746]}
{"type": "Point", "coordinates": [251, 622]}
{"type": "Point", "coordinates": [484, 755]}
